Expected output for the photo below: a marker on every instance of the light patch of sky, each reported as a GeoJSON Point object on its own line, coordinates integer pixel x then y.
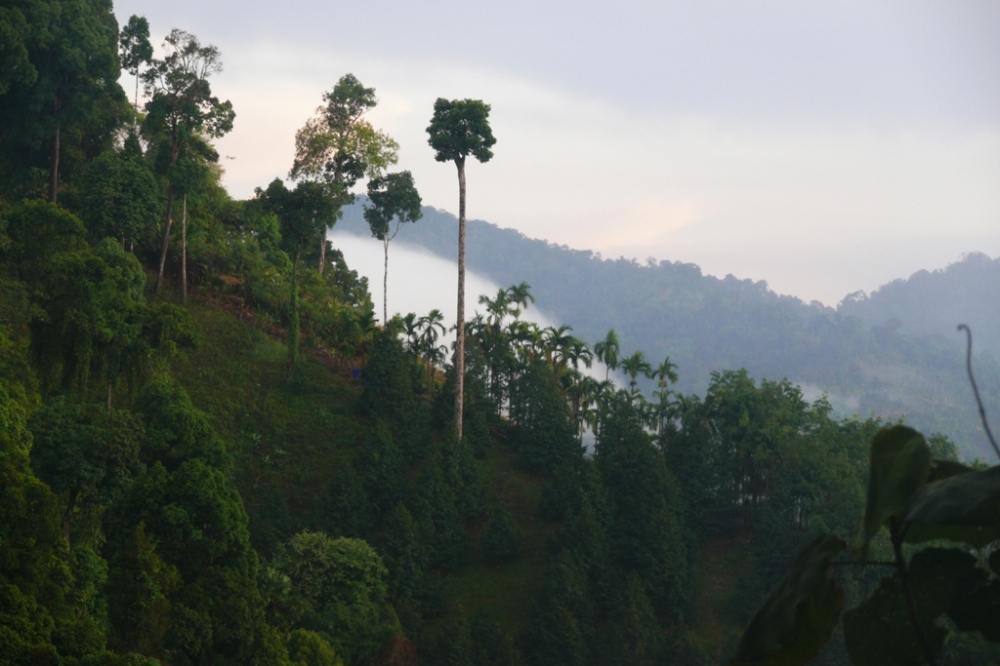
{"type": "Point", "coordinates": [823, 149]}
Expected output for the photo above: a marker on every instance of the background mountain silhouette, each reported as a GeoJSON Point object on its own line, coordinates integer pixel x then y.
{"type": "Point", "coordinates": [893, 353]}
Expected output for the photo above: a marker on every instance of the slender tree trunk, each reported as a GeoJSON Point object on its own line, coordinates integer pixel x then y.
{"type": "Point", "coordinates": [137, 94]}
{"type": "Point", "coordinates": [460, 319]}
{"type": "Point", "coordinates": [293, 324]}
{"type": "Point", "coordinates": [184, 246]}
{"type": "Point", "coordinates": [168, 222]}
{"type": "Point", "coordinates": [109, 395]}
{"type": "Point", "coordinates": [322, 252]}
{"type": "Point", "coordinates": [54, 167]}
{"type": "Point", "coordinates": [385, 284]}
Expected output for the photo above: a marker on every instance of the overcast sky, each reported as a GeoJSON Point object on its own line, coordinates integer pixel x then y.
{"type": "Point", "coordinates": [824, 147]}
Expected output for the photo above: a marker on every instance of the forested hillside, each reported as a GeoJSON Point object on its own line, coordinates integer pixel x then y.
{"type": "Point", "coordinates": [928, 303]}
{"type": "Point", "coordinates": [894, 354]}
{"type": "Point", "coordinates": [211, 453]}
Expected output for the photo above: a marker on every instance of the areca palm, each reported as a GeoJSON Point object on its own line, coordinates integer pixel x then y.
{"type": "Point", "coordinates": [666, 373]}
{"type": "Point", "coordinates": [557, 340]}
{"type": "Point", "coordinates": [431, 328]}
{"type": "Point", "coordinates": [519, 296]}
{"type": "Point", "coordinates": [411, 327]}
{"type": "Point", "coordinates": [607, 351]}
{"type": "Point", "coordinates": [577, 351]}
{"type": "Point", "coordinates": [635, 365]}
{"type": "Point", "coordinates": [526, 338]}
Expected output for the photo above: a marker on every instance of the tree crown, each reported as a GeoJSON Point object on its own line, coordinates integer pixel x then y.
{"type": "Point", "coordinates": [392, 196]}
{"type": "Point", "coordinates": [459, 128]}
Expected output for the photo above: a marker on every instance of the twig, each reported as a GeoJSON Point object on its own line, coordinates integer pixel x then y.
{"type": "Point", "coordinates": [975, 388]}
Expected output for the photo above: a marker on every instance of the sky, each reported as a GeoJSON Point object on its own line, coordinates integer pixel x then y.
{"type": "Point", "coordinates": [825, 147]}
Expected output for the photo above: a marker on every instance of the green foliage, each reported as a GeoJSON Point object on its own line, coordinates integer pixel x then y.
{"type": "Point", "coordinates": [461, 128]}
{"type": "Point", "coordinates": [87, 454]}
{"type": "Point", "coordinates": [545, 437]}
{"type": "Point", "coordinates": [308, 648]}
{"type": "Point", "coordinates": [393, 198]}
{"type": "Point", "coordinates": [118, 197]}
{"type": "Point", "coordinates": [194, 577]}
{"type": "Point", "coordinates": [175, 430]}
{"type": "Point", "coordinates": [181, 104]}
{"type": "Point", "coordinates": [940, 580]}
{"type": "Point", "coordinates": [133, 41]}
{"type": "Point", "coordinates": [962, 507]}
{"type": "Point", "coordinates": [900, 464]}
{"type": "Point", "coordinates": [799, 616]}
{"type": "Point", "coordinates": [502, 540]}
{"type": "Point", "coordinates": [918, 499]}
{"type": "Point", "coordinates": [62, 91]}
{"type": "Point", "coordinates": [339, 145]}
{"type": "Point", "coordinates": [335, 587]}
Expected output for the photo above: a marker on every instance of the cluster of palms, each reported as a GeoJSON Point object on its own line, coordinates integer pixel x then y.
{"type": "Point", "coordinates": [505, 347]}
{"type": "Point", "coordinates": [421, 339]}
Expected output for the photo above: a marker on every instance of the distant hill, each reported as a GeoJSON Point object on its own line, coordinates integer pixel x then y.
{"type": "Point", "coordinates": [930, 303]}
{"type": "Point", "coordinates": [894, 353]}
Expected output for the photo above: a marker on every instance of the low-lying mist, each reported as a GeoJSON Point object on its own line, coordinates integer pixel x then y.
{"type": "Point", "coordinates": [420, 281]}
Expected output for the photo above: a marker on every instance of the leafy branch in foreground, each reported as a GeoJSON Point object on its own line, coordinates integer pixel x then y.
{"type": "Point", "coordinates": [917, 499]}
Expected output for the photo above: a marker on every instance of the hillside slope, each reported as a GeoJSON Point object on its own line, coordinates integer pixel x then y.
{"type": "Point", "coordinates": [858, 354]}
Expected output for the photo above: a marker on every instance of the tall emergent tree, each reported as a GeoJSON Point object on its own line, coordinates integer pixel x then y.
{"type": "Point", "coordinates": [393, 197]}
{"type": "Point", "coordinates": [135, 49]}
{"type": "Point", "coordinates": [182, 107]}
{"type": "Point", "coordinates": [339, 147]}
{"type": "Point", "coordinates": [460, 128]}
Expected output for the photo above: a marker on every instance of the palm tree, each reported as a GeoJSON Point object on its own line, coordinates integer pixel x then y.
{"type": "Point", "coordinates": [636, 365]}
{"type": "Point", "coordinates": [607, 351]}
{"type": "Point", "coordinates": [519, 295]}
{"type": "Point", "coordinates": [577, 352]}
{"type": "Point", "coordinates": [526, 338]}
{"type": "Point", "coordinates": [431, 328]}
{"type": "Point", "coordinates": [666, 373]}
{"type": "Point", "coordinates": [556, 341]}
{"type": "Point", "coordinates": [498, 308]}
{"type": "Point", "coordinates": [411, 327]}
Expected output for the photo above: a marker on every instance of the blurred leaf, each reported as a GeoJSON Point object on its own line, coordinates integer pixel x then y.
{"type": "Point", "coordinates": [900, 464]}
{"type": "Point", "coordinates": [797, 619]}
{"type": "Point", "coordinates": [942, 469]}
{"type": "Point", "coordinates": [979, 610]}
{"type": "Point", "coordinates": [964, 508]}
{"type": "Point", "coordinates": [938, 577]}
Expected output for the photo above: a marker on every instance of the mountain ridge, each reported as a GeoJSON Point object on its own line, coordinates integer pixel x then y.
{"type": "Point", "coordinates": [866, 363]}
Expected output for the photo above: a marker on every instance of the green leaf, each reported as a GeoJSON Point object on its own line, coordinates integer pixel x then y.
{"type": "Point", "coordinates": [942, 469]}
{"type": "Point", "coordinates": [964, 508]}
{"type": "Point", "coordinates": [937, 578]}
{"type": "Point", "coordinates": [900, 465]}
{"type": "Point", "coordinates": [978, 611]}
{"type": "Point", "coordinates": [798, 617]}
